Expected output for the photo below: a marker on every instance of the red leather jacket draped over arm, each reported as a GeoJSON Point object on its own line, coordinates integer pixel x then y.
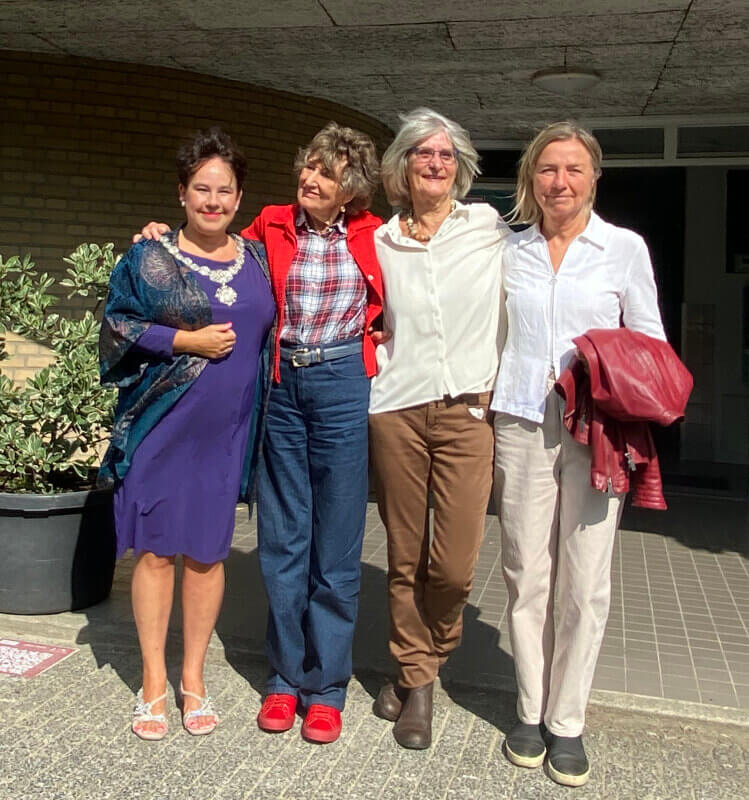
{"type": "Point", "coordinates": [275, 228]}
{"type": "Point", "coordinates": [632, 379]}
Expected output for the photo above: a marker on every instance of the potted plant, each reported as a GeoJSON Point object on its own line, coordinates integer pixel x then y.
{"type": "Point", "coordinates": [56, 529]}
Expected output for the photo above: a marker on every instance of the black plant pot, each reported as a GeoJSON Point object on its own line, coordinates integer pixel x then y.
{"type": "Point", "coordinates": [57, 552]}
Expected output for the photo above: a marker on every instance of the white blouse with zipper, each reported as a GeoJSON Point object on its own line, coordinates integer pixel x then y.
{"type": "Point", "coordinates": [605, 278]}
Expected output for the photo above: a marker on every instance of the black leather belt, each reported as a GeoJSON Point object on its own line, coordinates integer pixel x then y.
{"type": "Point", "coordinates": [303, 356]}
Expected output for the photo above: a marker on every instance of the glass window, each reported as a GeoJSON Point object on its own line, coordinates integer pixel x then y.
{"type": "Point", "coordinates": [630, 143]}
{"type": "Point", "coordinates": [726, 140]}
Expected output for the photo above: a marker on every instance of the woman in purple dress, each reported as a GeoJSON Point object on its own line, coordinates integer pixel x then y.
{"type": "Point", "coordinates": [186, 324]}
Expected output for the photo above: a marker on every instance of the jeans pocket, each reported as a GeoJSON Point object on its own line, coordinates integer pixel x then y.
{"type": "Point", "coordinates": [350, 367]}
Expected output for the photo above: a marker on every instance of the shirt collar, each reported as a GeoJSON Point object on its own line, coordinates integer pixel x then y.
{"type": "Point", "coordinates": [594, 232]}
{"type": "Point", "coordinates": [461, 209]}
{"type": "Point", "coordinates": [532, 234]}
{"type": "Point", "coordinates": [339, 223]}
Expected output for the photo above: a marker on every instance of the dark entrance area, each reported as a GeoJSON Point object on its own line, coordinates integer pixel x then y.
{"type": "Point", "coordinates": [650, 201]}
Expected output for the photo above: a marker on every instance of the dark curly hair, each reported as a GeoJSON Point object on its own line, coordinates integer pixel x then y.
{"type": "Point", "coordinates": [205, 145]}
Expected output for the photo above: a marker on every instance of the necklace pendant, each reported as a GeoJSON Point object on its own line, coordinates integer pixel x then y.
{"type": "Point", "coordinates": [226, 295]}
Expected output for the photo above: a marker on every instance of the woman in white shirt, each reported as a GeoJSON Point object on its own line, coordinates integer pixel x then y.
{"type": "Point", "coordinates": [569, 272]}
{"type": "Point", "coordinates": [429, 407]}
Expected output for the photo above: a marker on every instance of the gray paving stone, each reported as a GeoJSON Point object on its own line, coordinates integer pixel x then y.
{"type": "Point", "coordinates": [66, 733]}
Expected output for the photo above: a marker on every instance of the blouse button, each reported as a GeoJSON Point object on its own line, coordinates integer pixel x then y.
{"type": "Point", "coordinates": [370, 277]}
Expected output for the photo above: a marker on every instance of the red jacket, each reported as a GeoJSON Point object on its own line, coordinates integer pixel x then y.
{"type": "Point", "coordinates": [632, 380]}
{"type": "Point", "coordinates": [275, 227]}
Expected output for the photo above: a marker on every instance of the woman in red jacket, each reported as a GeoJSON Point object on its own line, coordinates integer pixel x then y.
{"type": "Point", "coordinates": [312, 479]}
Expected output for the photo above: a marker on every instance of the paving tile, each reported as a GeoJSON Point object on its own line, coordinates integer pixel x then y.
{"type": "Point", "coordinates": [681, 673]}
{"type": "Point", "coordinates": [682, 691]}
{"type": "Point", "coordinates": [639, 647]}
{"type": "Point", "coordinates": [713, 673]}
{"type": "Point", "coordinates": [717, 693]}
{"type": "Point", "coordinates": [674, 652]}
{"type": "Point", "coordinates": [675, 625]}
{"type": "Point", "coordinates": [643, 682]}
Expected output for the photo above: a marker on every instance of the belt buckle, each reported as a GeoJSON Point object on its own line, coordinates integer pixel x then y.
{"type": "Point", "coordinates": [299, 352]}
{"type": "Point", "coordinates": [306, 353]}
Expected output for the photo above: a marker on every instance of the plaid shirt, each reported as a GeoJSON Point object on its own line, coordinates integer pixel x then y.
{"type": "Point", "coordinates": [326, 296]}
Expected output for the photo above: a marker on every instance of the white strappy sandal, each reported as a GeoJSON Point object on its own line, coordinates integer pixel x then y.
{"type": "Point", "coordinates": [205, 710]}
{"type": "Point", "coordinates": [142, 713]}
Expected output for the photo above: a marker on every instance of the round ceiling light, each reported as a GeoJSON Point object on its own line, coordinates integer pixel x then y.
{"type": "Point", "coordinates": [562, 80]}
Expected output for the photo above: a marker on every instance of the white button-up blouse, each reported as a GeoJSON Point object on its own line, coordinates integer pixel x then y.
{"type": "Point", "coordinates": [605, 279]}
{"type": "Point", "coordinates": [442, 302]}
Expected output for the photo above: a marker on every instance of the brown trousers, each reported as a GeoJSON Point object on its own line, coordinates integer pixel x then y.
{"type": "Point", "coordinates": [444, 447]}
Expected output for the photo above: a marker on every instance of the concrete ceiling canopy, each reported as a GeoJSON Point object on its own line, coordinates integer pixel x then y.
{"type": "Point", "coordinates": [475, 60]}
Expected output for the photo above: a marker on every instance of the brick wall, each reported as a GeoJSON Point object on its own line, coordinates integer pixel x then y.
{"type": "Point", "coordinates": [87, 151]}
{"type": "Point", "coordinates": [25, 358]}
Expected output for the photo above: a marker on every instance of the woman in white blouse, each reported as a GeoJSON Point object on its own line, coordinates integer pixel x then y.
{"type": "Point", "coordinates": [429, 407]}
{"type": "Point", "coordinates": [568, 272]}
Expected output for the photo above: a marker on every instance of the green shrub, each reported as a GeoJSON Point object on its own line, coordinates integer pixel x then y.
{"type": "Point", "coordinates": [53, 427]}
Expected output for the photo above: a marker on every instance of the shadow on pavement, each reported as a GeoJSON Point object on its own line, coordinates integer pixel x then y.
{"type": "Point", "coordinates": [715, 524]}
{"type": "Point", "coordinates": [477, 663]}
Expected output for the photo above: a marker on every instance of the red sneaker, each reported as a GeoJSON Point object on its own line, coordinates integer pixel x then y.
{"type": "Point", "coordinates": [277, 713]}
{"type": "Point", "coordinates": [322, 724]}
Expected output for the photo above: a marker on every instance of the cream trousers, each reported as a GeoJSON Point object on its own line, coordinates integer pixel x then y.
{"type": "Point", "coordinates": [557, 541]}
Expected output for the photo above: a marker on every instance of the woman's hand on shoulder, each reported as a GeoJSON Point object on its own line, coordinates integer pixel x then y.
{"type": "Point", "coordinates": [152, 230]}
{"type": "Point", "coordinates": [211, 341]}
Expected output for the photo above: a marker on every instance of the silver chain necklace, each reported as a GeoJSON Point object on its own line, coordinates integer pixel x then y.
{"type": "Point", "coordinates": [224, 294]}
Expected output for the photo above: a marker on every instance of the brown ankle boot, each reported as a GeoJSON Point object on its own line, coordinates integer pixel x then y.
{"type": "Point", "coordinates": [389, 702]}
{"type": "Point", "coordinates": [414, 726]}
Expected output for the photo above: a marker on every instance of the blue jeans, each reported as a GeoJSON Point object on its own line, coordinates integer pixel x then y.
{"type": "Point", "coordinates": [311, 502]}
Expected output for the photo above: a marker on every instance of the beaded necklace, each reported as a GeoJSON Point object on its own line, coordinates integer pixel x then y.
{"type": "Point", "coordinates": [411, 225]}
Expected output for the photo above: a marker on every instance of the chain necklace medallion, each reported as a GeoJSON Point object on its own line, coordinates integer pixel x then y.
{"type": "Point", "coordinates": [224, 294]}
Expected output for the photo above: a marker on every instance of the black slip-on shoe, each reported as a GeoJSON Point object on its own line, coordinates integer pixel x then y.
{"type": "Point", "coordinates": [525, 746]}
{"type": "Point", "coordinates": [567, 763]}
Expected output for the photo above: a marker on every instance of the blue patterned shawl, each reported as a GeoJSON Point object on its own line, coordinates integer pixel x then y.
{"type": "Point", "coordinates": [148, 286]}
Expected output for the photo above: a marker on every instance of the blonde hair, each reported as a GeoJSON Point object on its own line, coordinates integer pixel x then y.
{"type": "Point", "coordinates": [416, 126]}
{"type": "Point", "coordinates": [526, 208]}
{"type": "Point", "coordinates": [335, 145]}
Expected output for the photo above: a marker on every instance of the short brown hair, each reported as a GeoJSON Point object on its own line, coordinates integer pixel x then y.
{"type": "Point", "coordinates": [334, 145]}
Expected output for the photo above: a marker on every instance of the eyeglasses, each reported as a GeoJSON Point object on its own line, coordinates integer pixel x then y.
{"type": "Point", "coordinates": [426, 154]}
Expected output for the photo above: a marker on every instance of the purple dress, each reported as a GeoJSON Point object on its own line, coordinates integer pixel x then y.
{"type": "Point", "coordinates": [181, 490]}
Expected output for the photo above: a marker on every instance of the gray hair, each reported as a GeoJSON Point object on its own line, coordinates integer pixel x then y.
{"type": "Point", "coordinates": [416, 126]}
{"type": "Point", "coordinates": [526, 208]}
{"type": "Point", "coordinates": [335, 145]}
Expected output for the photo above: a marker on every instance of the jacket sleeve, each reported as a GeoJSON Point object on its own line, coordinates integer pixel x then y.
{"type": "Point", "coordinates": [640, 310]}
